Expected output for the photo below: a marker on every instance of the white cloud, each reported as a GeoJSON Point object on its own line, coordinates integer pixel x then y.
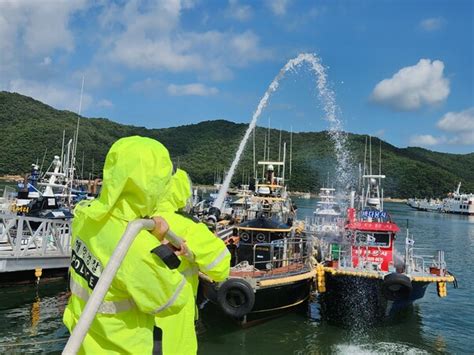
{"type": "Point", "coordinates": [459, 127]}
{"type": "Point", "coordinates": [463, 138]}
{"type": "Point", "coordinates": [278, 7]}
{"type": "Point", "coordinates": [461, 124]}
{"type": "Point", "coordinates": [54, 95]}
{"type": "Point", "coordinates": [432, 24]}
{"type": "Point", "coordinates": [457, 121]}
{"type": "Point", "coordinates": [104, 103]}
{"type": "Point", "coordinates": [38, 26]}
{"type": "Point", "coordinates": [149, 37]}
{"type": "Point", "coordinates": [413, 87]}
{"type": "Point", "coordinates": [195, 89]}
{"type": "Point", "coordinates": [238, 11]}
{"type": "Point", "coordinates": [426, 140]}
{"type": "Point", "coordinates": [145, 86]}
{"type": "Point", "coordinates": [33, 36]}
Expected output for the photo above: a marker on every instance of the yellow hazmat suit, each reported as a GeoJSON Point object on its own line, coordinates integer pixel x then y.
{"type": "Point", "coordinates": [211, 258]}
{"type": "Point", "coordinates": [136, 173]}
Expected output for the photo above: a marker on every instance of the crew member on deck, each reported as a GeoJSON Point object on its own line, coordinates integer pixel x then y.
{"type": "Point", "coordinates": [136, 173]}
{"type": "Point", "coordinates": [211, 257]}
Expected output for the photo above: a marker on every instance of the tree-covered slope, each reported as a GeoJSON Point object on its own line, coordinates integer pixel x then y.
{"type": "Point", "coordinates": [29, 128]}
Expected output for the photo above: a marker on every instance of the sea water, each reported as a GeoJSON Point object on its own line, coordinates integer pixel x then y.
{"type": "Point", "coordinates": [30, 316]}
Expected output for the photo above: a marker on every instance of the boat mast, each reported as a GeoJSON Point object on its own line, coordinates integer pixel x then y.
{"type": "Point", "coordinates": [268, 145]}
{"type": "Point", "coordinates": [380, 173]}
{"type": "Point", "coordinates": [264, 154]}
{"type": "Point", "coordinates": [369, 188]}
{"type": "Point", "coordinates": [62, 147]}
{"type": "Point", "coordinates": [291, 149]}
{"type": "Point", "coordinates": [254, 160]}
{"type": "Point", "coordinates": [370, 155]}
{"type": "Point", "coordinates": [279, 152]}
{"type": "Point", "coordinates": [362, 182]}
{"type": "Point", "coordinates": [284, 163]}
{"type": "Point", "coordinates": [76, 137]}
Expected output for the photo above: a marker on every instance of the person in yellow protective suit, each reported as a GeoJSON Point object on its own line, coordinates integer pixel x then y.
{"type": "Point", "coordinates": [210, 257]}
{"type": "Point", "coordinates": [136, 173]}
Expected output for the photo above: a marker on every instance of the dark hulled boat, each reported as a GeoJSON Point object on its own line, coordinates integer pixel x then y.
{"type": "Point", "coordinates": [273, 273]}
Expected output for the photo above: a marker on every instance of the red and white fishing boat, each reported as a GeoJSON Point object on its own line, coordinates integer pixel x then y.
{"type": "Point", "coordinates": [361, 275]}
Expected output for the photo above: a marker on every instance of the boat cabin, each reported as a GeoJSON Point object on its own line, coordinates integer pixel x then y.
{"type": "Point", "coordinates": [261, 242]}
{"type": "Point", "coordinates": [372, 237]}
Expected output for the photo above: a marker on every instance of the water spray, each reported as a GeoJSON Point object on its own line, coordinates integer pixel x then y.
{"type": "Point", "coordinates": [327, 97]}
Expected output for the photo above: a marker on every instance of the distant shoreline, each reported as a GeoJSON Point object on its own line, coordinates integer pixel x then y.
{"type": "Point", "coordinates": [394, 199]}
{"type": "Point", "coordinates": [11, 178]}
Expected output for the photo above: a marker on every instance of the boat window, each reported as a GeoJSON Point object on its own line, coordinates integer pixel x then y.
{"type": "Point", "coordinates": [372, 239]}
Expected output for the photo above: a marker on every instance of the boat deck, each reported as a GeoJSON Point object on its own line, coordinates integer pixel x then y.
{"type": "Point", "coordinates": [276, 272]}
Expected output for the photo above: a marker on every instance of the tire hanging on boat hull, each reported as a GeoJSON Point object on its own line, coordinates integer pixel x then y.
{"type": "Point", "coordinates": [236, 297]}
{"type": "Point", "coordinates": [396, 287]}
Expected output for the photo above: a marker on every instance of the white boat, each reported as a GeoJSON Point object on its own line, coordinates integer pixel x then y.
{"type": "Point", "coordinates": [431, 205]}
{"type": "Point", "coordinates": [459, 203]}
{"type": "Point", "coordinates": [327, 217]}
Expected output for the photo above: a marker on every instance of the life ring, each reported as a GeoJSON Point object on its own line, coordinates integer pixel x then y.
{"type": "Point", "coordinates": [396, 287]}
{"type": "Point", "coordinates": [236, 297]}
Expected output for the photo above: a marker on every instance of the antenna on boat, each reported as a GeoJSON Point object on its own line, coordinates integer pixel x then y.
{"type": "Point", "coordinates": [72, 163]}
{"type": "Point", "coordinates": [365, 157]}
{"type": "Point", "coordinates": [254, 160]}
{"type": "Point", "coordinates": [268, 145]}
{"type": "Point", "coordinates": [264, 154]}
{"type": "Point", "coordinates": [370, 155]}
{"type": "Point", "coordinates": [284, 163]}
{"type": "Point", "coordinates": [279, 152]}
{"type": "Point", "coordinates": [380, 171]}
{"type": "Point", "coordinates": [380, 157]}
{"type": "Point", "coordinates": [62, 149]}
{"type": "Point", "coordinates": [76, 136]}
{"type": "Point", "coordinates": [291, 149]}
{"type": "Point", "coordinates": [363, 173]}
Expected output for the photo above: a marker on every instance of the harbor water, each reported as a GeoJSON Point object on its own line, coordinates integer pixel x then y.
{"type": "Point", "coordinates": [30, 316]}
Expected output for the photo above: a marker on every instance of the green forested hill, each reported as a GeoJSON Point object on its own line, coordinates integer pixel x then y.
{"type": "Point", "coordinates": [28, 128]}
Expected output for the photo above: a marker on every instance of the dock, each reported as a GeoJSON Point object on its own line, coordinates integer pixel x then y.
{"type": "Point", "coordinates": [29, 244]}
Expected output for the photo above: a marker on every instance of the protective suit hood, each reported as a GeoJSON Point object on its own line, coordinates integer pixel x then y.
{"type": "Point", "coordinates": [136, 173]}
{"type": "Point", "coordinates": [177, 195]}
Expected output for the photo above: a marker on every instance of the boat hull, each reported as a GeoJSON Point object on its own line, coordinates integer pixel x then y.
{"type": "Point", "coordinates": [350, 298]}
{"type": "Point", "coordinates": [270, 302]}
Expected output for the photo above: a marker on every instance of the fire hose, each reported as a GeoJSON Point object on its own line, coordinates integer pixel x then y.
{"type": "Point", "coordinates": [105, 279]}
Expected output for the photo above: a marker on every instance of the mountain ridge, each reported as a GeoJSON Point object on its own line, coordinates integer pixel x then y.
{"type": "Point", "coordinates": [32, 129]}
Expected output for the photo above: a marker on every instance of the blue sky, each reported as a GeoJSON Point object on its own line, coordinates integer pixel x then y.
{"type": "Point", "coordinates": [401, 70]}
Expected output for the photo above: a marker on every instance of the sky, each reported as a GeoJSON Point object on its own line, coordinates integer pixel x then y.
{"type": "Point", "coordinates": [401, 70]}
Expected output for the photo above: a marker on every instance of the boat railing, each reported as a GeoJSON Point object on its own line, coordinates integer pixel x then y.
{"type": "Point", "coordinates": [285, 256]}
{"type": "Point", "coordinates": [425, 261]}
{"type": "Point", "coordinates": [22, 236]}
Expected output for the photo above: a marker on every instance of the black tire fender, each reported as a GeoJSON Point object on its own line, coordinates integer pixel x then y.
{"type": "Point", "coordinates": [396, 286]}
{"type": "Point", "coordinates": [236, 297]}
